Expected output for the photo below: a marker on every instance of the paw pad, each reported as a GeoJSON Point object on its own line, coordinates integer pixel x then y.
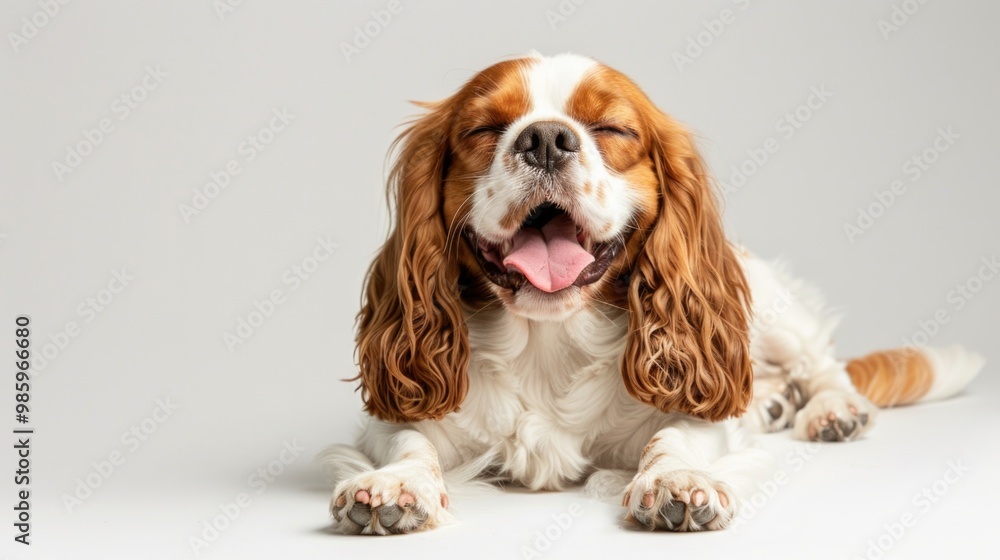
{"type": "Point", "coordinates": [834, 417]}
{"type": "Point", "coordinates": [679, 501]}
{"type": "Point", "coordinates": [383, 504]}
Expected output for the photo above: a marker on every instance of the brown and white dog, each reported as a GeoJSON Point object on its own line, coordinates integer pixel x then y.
{"type": "Point", "coordinates": [558, 302]}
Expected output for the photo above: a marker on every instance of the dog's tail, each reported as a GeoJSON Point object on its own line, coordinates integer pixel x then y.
{"type": "Point", "coordinates": [910, 375]}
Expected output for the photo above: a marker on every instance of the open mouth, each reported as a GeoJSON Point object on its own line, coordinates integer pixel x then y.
{"type": "Point", "coordinates": [549, 251]}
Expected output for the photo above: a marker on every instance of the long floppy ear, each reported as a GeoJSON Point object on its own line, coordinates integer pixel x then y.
{"type": "Point", "coordinates": [688, 300]}
{"type": "Point", "coordinates": [412, 346]}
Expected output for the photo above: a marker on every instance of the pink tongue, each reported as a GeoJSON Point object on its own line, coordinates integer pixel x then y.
{"type": "Point", "coordinates": [550, 258]}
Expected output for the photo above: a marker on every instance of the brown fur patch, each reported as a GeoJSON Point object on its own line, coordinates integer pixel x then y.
{"type": "Point", "coordinates": [892, 377]}
{"type": "Point", "coordinates": [602, 194]}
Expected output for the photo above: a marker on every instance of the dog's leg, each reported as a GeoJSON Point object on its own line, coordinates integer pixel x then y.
{"type": "Point", "coordinates": [813, 386]}
{"type": "Point", "coordinates": [813, 393]}
{"type": "Point", "coordinates": [693, 476]}
{"type": "Point", "coordinates": [401, 491]}
{"type": "Point", "coordinates": [798, 380]}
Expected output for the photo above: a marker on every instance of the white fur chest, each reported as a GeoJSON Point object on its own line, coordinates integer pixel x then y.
{"type": "Point", "coordinates": [540, 390]}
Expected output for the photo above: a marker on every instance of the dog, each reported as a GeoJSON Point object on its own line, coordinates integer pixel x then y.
{"type": "Point", "coordinates": [557, 302]}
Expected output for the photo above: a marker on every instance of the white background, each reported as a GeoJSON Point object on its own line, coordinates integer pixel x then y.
{"type": "Point", "coordinates": [321, 177]}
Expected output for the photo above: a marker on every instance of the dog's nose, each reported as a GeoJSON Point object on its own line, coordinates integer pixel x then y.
{"type": "Point", "coordinates": [547, 145]}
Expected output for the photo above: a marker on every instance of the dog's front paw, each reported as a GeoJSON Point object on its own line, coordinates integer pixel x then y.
{"type": "Point", "coordinates": [390, 501]}
{"type": "Point", "coordinates": [679, 500]}
{"type": "Point", "coordinates": [834, 416]}
{"type": "Point", "coordinates": [775, 410]}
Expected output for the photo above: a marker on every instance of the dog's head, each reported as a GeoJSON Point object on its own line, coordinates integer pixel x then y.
{"type": "Point", "coordinates": [550, 185]}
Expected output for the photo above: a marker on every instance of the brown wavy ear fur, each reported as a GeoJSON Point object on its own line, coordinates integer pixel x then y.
{"type": "Point", "coordinates": [412, 346]}
{"type": "Point", "coordinates": [688, 301]}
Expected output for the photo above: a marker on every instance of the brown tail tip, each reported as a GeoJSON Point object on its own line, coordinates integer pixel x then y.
{"type": "Point", "coordinates": [892, 377]}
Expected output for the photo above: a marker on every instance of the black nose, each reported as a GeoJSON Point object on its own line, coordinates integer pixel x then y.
{"type": "Point", "coordinates": [547, 145]}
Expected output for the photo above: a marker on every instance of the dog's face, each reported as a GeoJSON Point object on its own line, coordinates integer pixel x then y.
{"type": "Point", "coordinates": [548, 185]}
{"type": "Point", "coordinates": [551, 177]}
